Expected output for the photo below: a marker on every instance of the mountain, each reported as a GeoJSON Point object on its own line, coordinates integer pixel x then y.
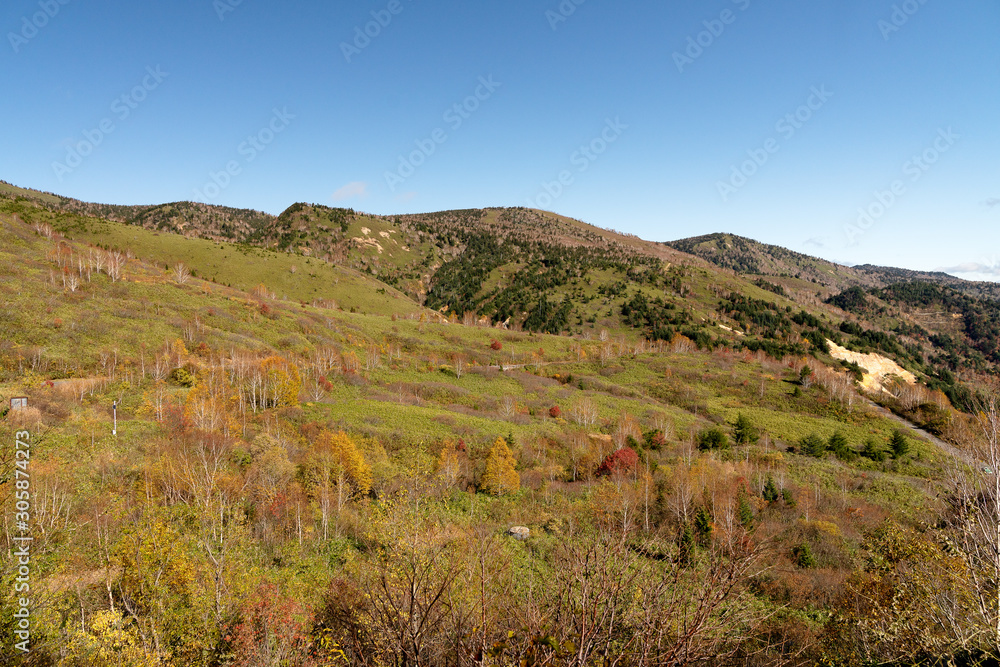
{"type": "Point", "coordinates": [749, 257]}
{"type": "Point", "coordinates": [316, 431]}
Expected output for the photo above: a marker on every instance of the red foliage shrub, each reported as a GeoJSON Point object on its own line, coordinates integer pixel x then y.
{"type": "Point", "coordinates": [271, 629]}
{"type": "Point", "coordinates": [555, 412]}
{"type": "Point", "coordinates": [496, 346]}
{"type": "Point", "coordinates": [623, 460]}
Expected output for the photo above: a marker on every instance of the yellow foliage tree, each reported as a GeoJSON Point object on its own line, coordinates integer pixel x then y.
{"type": "Point", "coordinates": [447, 464]}
{"type": "Point", "coordinates": [210, 403]}
{"type": "Point", "coordinates": [337, 455]}
{"type": "Point", "coordinates": [501, 475]}
{"type": "Point", "coordinates": [179, 352]}
{"type": "Point", "coordinates": [282, 382]}
{"type": "Point", "coordinates": [112, 641]}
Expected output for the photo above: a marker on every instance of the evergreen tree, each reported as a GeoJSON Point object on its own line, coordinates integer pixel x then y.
{"type": "Point", "coordinates": [802, 556]}
{"type": "Point", "coordinates": [812, 445]}
{"type": "Point", "coordinates": [873, 451]}
{"type": "Point", "coordinates": [744, 432]}
{"type": "Point", "coordinates": [501, 475]}
{"type": "Point", "coordinates": [899, 444]}
{"type": "Point", "coordinates": [685, 547]}
{"type": "Point", "coordinates": [703, 526]}
{"type": "Point", "coordinates": [744, 511]}
{"type": "Point", "coordinates": [713, 438]}
{"type": "Point", "coordinates": [839, 446]}
{"type": "Point", "coordinates": [771, 490]}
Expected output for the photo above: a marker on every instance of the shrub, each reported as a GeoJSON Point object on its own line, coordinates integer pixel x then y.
{"type": "Point", "coordinates": [496, 346]}
{"type": "Point", "coordinates": [802, 556]}
{"type": "Point", "coordinates": [838, 445]}
{"type": "Point", "coordinates": [555, 412]}
{"type": "Point", "coordinates": [873, 451]}
{"type": "Point", "coordinates": [713, 438]}
{"type": "Point", "coordinates": [786, 495]}
{"type": "Point", "coordinates": [183, 377]}
{"type": "Point", "coordinates": [623, 460]}
{"type": "Point", "coordinates": [654, 439]}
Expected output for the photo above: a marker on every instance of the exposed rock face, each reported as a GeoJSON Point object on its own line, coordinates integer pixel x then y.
{"type": "Point", "coordinates": [519, 533]}
{"type": "Point", "coordinates": [879, 368]}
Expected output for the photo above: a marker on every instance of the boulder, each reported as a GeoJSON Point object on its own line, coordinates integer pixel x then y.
{"type": "Point", "coordinates": [519, 533]}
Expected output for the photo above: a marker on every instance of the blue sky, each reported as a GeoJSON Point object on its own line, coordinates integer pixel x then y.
{"type": "Point", "coordinates": [782, 121]}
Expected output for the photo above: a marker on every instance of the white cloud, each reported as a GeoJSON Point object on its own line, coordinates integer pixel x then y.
{"type": "Point", "coordinates": [992, 202]}
{"type": "Point", "coordinates": [984, 268]}
{"type": "Point", "coordinates": [351, 190]}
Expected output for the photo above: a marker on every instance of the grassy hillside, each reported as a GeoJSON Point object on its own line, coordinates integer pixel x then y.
{"type": "Point", "coordinates": [685, 459]}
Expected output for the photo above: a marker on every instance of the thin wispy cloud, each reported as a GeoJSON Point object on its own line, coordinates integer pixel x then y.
{"type": "Point", "coordinates": [987, 268]}
{"type": "Point", "coordinates": [351, 191]}
{"type": "Point", "coordinates": [992, 202]}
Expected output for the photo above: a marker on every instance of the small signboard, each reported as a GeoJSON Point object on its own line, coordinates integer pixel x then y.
{"type": "Point", "coordinates": [19, 403]}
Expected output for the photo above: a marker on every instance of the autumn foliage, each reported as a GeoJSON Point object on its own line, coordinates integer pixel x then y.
{"type": "Point", "coordinates": [622, 460]}
{"type": "Point", "coordinates": [501, 475]}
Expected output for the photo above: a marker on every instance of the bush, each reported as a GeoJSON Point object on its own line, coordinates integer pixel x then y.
{"type": "Point", "coordinates": [623, 460]}
{"type": "Point", "coordinates": [654, 439]}
{"type": "Point", "coordinates": [713, 438]}
{"type": "Point", "coordinates": [555, 412]}
{"type": "Point", "coordinates": [786, 495]}
{"type": "Point", "coordinates": [802, 556]}
{"type": "Point", "coordinates": [183, 377]}
{"type": "Point", "coordinates": [496, 346]}
{"type": "Point", "coordinates": [873, 451]}
{"type": "Point", "coordinates": [838, 445]}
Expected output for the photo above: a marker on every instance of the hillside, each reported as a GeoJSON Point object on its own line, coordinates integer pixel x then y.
{"type": "Point", "coordinates": [460, 437]}
{"type": "Point", "coordinates": [746, 256]}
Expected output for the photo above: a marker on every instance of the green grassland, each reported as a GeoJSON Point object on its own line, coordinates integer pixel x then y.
{"type": "Point", "coordinates": [412, 389]}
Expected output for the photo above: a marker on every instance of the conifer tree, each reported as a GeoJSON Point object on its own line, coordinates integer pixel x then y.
{"type": "Point", "coordinates": [771, 494]}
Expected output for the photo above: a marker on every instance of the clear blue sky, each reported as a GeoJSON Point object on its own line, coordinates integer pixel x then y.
{"type": "Point", "coordinates": [200, 77]}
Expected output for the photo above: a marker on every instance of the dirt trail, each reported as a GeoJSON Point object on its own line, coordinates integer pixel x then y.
{"type": "Point", "coordinates": [933, 439]}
